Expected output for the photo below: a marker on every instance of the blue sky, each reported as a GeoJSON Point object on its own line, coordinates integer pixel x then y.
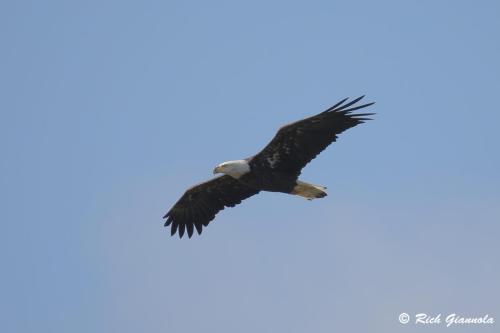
{"type": "Point", "coordinates": [110, 110]}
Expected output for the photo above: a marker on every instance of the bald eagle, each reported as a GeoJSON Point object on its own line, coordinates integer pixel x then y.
{"type": "Point", "coordinates": [276, 169]}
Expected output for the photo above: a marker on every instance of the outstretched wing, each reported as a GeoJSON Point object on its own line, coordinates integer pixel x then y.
{"type": "Point", "coordinates": [298, 143]}
{"type": "Point", "coordinates": [198, 206]}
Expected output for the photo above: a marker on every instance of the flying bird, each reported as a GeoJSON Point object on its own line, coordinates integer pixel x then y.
{"type": "Point", "coordinates": [276, 168]}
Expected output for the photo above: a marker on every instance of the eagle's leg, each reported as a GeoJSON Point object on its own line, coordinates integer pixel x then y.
{"type": "Point", "coordinates": [308, 191]}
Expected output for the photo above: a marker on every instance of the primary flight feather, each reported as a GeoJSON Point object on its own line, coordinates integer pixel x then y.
{"type": "Point", "coordinates": [276, 169]}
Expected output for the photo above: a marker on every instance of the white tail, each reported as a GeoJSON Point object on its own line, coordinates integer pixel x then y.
{"type": "Point", "coordinates": [309, 191]}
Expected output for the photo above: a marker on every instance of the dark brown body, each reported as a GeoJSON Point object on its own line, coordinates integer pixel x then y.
{"type": "Point", "coordinates": [275, 181]}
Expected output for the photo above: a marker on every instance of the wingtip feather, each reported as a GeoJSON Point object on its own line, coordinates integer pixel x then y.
{"type": "Point", "coordinates": [190, 229]}
{"type": "Point", "coordinates": [362, 116]}
{"type": "Point", "coordinates": [173, 230]}
{"type": "Point", "coordinates": [334, 106]}
{"type": "Point", "coordinates": [358, 107]}
{"type": "Point", "coordinates": [168, 221]}
{"type": "Point", "coordinates": [354, 101]}
{"type": "Point", "coordinates": [198, 227]}
{"type": "Point", "coordinates": [182, 228]}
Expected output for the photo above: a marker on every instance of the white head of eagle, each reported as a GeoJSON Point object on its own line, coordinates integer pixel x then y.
{"type": "Point", "coordinates": [235, 169]}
